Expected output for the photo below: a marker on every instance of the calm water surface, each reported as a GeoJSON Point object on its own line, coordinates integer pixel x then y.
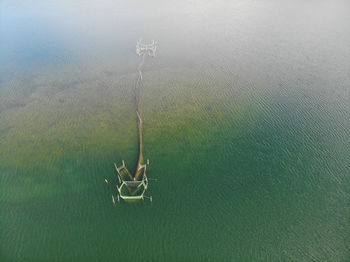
{"type": "Point", "coordinates": [246, 125]}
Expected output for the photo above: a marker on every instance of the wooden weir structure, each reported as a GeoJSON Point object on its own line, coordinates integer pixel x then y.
{"type": "Point", "coordinates": [133, 187]}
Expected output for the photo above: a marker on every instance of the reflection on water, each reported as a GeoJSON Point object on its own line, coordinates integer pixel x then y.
{"type": "Point", "coordinates": [246, 124]}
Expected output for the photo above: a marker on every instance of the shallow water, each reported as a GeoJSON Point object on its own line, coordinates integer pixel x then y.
{"type": "Point", "coordinates": [246, 124]}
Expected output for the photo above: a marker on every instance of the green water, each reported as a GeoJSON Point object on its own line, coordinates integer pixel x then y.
{"type": "Point", "coordinates": [246, 117]}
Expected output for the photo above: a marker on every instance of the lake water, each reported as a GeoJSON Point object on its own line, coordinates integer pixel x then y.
{"type": "Point", "coordinates": [246, 112]}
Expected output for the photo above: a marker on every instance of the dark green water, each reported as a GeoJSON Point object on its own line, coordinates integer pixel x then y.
{"type": "Point", "coordinates": [246, 113]}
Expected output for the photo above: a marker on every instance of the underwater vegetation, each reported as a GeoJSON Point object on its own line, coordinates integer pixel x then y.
{"type": "Point", "coordinates": [54, 123]}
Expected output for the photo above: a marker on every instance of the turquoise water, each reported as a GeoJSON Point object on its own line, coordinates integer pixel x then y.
{"type": "Point", "coordinates": [246, 111]}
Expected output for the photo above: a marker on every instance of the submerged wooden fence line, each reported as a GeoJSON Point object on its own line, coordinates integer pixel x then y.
{"type": "Point", "coordinates": [142, 50]}
{"type": "Point", "coordinates": [133, 188]}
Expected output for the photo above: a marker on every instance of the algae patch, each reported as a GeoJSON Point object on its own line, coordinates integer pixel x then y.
{"type": "Point", "coordinates": [75, 119]}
